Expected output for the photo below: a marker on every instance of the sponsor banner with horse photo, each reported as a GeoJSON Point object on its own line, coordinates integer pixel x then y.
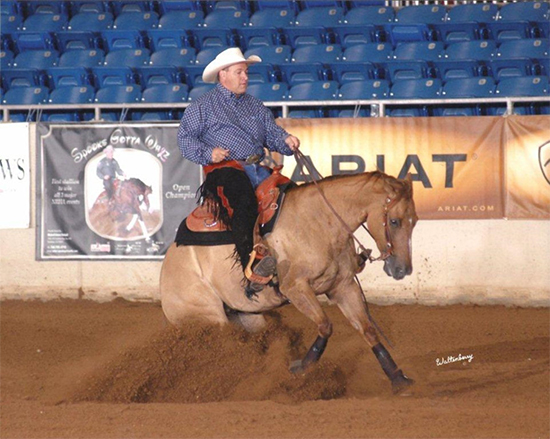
{"type": "Point", "coordinates": [110, 191]}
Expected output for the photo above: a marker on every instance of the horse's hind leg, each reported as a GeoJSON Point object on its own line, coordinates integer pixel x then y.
{"type": "Point", "coordinates": [352, 303]}
{"type": "Point", "coordinates": [303, 298]}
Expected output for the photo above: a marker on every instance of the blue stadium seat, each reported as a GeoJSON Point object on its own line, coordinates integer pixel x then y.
{"type": "Point", "coordinates": [174, 57]}
{"type": "Point", "coordinates": [10, 23]}
{"type": "Point", "coordinates": [153, 75]}
{"type": "Point", "coordinates": [524, 48]}
{"type": "Point", "coordinates": [22, 78]}
{"type": "Point", "coordinates": [374, 52]}
{"type": "Point", "coordinates": [451, 69]}
{"type": "Point", "coordinates": [168, 6]}
{"type": "Point", "coordinates": [348, 36]}
{"type": "Point", "coordinates": [478, 50]}
{"type": "Point", "coordinates": [180, 20]}
{"type": "Point", "coordinates": [214, 5]}
{"type": "Point", "coordinates": [68, 40]}
{"type": "Point", "coordinates": [368, 89]}
{"type": "Point", "coordinates": [46, 23]}
{"type": "Point", "coordinates": [77, 7]}
{"type": "Point", "coordinates": [163, 93]}
{"type": "Point", "coordinates": [122, 39]}
{"type": "Point", "coordinates": [139, 21]}
{"type": "Point", "coordinates": [469, 88]}
{"type": "Point", "coordinates": [271, 54]}
{"type": "Point", "coordinates": [295, 73]}
{"type": "Point", "coordinates": [168, 39]}
{"type": "Point", "coordinates": [127, 58]}
{"type": "Point", "coordinates": [91, 22]}
{"type": "Point", "coordinates": [199, 90]}
{"type": "Point", "coordinates": [305, 4]}
{"type": "Point", "coordinates": [536, 12]}
{"type": "Point", "coordinates": [322, 53]}
{"type": "Point", "coordinates": [29, 40]}
{"type": "Point", "coordinates": [108, 76]}
{"type": "Point", "coordinates": [523, 86]}
{"type": "Point", "coordinates": [427, 14]}
{"type": "Point", "coordinates": [314, 91]}
{"type": "Point", "coordinates": [508, 30]}
{"type": "Point", "coordinates": [206, 55]}
{"type": "Point", "coordinates": [399, 70]}
{"type": "Point", "coordinates": [193, 75]}
{"type": "Point", "coordinates": [261, 73]}
{"type": "Point", "coordinates": [203, 38]}
{"type": "Point", "coordinates": [250, 37]}
{"type": "Point", "coordinates": [118, 94]}
{"type": "Point", "coordinates": [82, 58]}
{"type": "Point", "coordinates": [26, 95]}
{"type": "Point", "coordinates": [268, 91]}
{"type": "Point", "coordinates": [369, 15]}
{"type": "Point", "coordinates": [46, 7]}
{"type": "Point", "coordinates": [72, 95]}
{"type": "Point", "coordinates": [291, 5]}
{"type": "Point", "coordinates": [118, 7]}
{"type": "Point", "coordinates": [326, 16]}
{"type": "Point", "coordinates": [67, 76]}
{"type": "Point", "coordinates": [351, 71]}
{"type": "Point", "coordinates": [36, 59]}
{"type": "Point", "coordinates": [301, 35]}
{"type": "Point", "coordinates": [511, 67]}
{"type": "Point", "coordinates": [420, 50]}
{"type": "Point", "coordinates": [350, 112]}
{"type": "Point", "coordinates": [416, 89]}
{"type": "Point", "coordinates": [278, 18]}
{"type": "Point", "coordinates": [306, 113]}
{"type": "Point", "coordinates": [473, 12]}
{"type": "Point", "coordinates": [6, 59]}
{"type": "Point", "coordinates": [226, 18]}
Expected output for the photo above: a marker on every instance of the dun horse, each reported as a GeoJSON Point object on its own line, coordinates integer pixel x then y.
{"type": "Point", "coordinates": [129, 195]}
{"type": "Point", "coordinates": [315, 255]}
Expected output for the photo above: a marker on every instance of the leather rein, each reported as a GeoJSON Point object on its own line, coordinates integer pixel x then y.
{"type": "Point", "coordinates": [365, 253]}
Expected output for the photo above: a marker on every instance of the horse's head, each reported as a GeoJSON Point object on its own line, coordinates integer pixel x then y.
{"type": "Point", "coordinates": [391, 224]}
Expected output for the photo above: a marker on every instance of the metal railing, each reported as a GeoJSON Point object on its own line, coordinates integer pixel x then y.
{"type": "Point", "coordinates": [378, 108]}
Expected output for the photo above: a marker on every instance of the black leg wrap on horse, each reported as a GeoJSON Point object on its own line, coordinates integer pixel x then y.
{"type": "Point", "coordinates": [315, 351]}
{"type": "Point", "coordinates": [238, 191]}
{"type": "Point", "coordinates": [386, 361]}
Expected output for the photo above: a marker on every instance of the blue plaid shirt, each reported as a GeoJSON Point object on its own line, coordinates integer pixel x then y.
{"type": "Point", "coordinates": [243, 125]}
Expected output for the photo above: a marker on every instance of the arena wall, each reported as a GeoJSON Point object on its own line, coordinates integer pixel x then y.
{"type": "Point", "coordinates": [492, 261]}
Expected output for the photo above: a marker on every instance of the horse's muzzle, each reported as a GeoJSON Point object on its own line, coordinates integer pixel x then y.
{"type": "Point", "coordinates": [395, 269]}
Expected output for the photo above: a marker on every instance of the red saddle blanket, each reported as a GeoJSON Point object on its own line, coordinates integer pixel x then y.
{"type": "Point", "coordinates": [202, 219]}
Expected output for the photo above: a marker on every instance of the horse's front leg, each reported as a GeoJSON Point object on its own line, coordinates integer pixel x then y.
{"type": "Point", "coordinates": [303, 298]}
{"type": "Point", "coordinates": [352, 303]}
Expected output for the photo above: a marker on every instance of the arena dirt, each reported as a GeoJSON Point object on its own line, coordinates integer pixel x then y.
{"type": "Point", "coordinates": [80, 369]}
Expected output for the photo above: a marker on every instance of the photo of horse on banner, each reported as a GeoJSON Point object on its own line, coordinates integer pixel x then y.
{"type": "Point", "coordinates": [121, 206]}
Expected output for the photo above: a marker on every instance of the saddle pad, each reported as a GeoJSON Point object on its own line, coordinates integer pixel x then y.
{"type": "Point", "coordinates": [184, 236]}
{"type": "Point", "coordinates": [202, 219]}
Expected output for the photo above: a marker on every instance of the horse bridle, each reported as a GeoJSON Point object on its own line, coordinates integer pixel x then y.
{"type": "Point", "coordinates": [365, 253]}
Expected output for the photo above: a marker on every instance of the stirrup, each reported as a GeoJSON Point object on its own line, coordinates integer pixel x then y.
{"type": "Point", "coordinates": [263, 271]}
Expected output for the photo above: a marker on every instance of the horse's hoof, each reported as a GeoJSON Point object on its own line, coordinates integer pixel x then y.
{"type": "Point", "coordinates": [297, 367]}
{"type": "Point", "coordinates": [400, 383]}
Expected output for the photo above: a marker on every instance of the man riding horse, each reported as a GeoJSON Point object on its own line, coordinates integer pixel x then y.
{"type": "Point", "coordinates": [226, 131]}
{"type": "Point", "coordinates": [107, 169]}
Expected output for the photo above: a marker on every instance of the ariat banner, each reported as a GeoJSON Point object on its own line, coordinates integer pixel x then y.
{"type": "Point", "coordinates": [456, 163]}
{"type": "Point", "coordinates": [528, 167]}
{"type": "Point", "coordinates": [111, 191]}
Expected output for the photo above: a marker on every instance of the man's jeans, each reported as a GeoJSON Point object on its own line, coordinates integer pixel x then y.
{"type": "Point", "coordinates": [256, 173]}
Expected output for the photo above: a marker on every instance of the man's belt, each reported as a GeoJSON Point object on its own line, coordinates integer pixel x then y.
{"type": "Point", "coordinates": [237, 164]}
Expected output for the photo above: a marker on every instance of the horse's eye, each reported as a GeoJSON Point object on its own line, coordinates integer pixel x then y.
{"type": "Point", "coordinates": [395, 222]}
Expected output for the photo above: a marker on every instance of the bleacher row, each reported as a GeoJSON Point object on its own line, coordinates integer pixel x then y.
{"type": "Point", "coordinates": [154, 52]}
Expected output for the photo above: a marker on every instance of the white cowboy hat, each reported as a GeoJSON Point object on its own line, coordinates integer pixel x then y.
{"type": "Point", "coordinates": [227, 58]}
